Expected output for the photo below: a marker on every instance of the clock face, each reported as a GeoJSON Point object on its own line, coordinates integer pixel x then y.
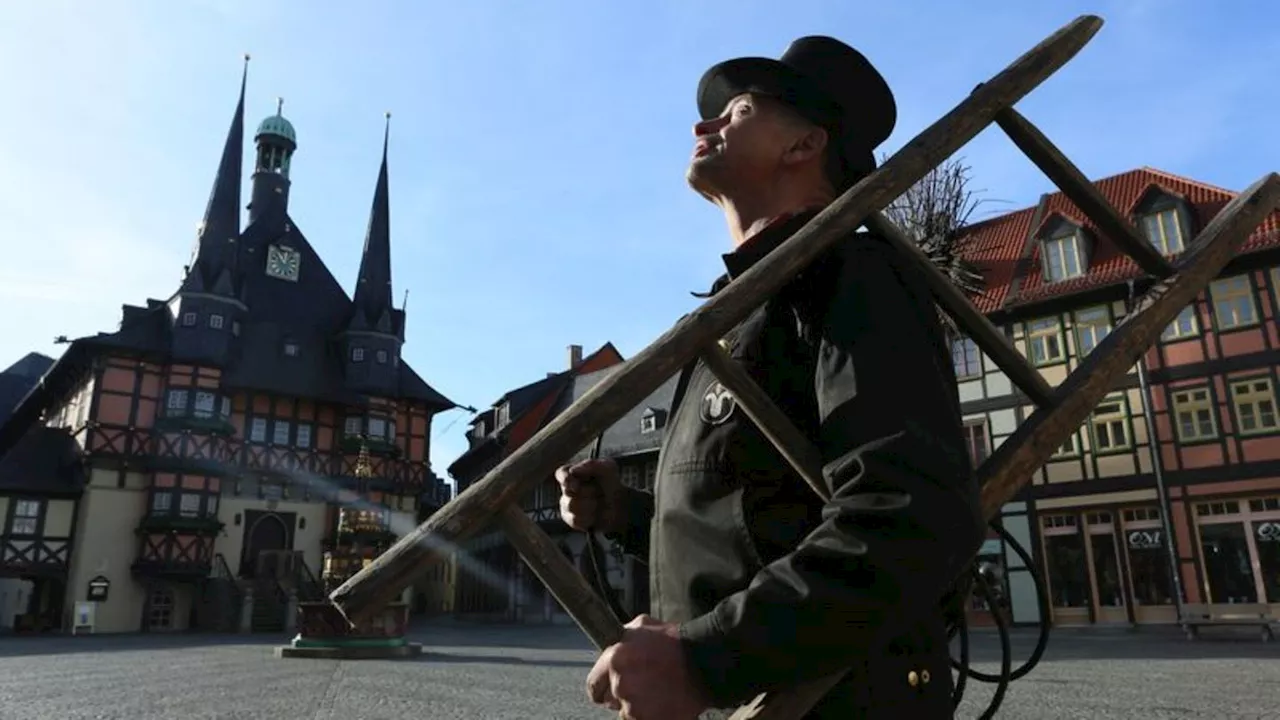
{"type": "Point", "coordinates": [283, 262]}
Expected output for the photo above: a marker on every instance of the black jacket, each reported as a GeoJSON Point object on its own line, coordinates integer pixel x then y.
{"type": "Point", "coordinates": [771, 585]}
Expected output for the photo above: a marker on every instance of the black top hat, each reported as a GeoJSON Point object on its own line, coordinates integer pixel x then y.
{"type": "Point", "coordinates": [827, 82]}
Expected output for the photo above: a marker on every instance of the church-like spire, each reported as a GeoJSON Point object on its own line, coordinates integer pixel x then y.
{"type": "Point", "coordinates": [216, 251]}
{"type": "Point", "coordinates": [373, 287]}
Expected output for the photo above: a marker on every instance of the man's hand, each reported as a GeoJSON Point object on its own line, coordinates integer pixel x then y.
{"type": "Point", "coordinates": [645, 676]}
{"type": "Point", "coordinates": [591, 496]}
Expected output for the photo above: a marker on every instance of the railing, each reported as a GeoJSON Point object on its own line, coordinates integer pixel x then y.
{"type": "Point", "coordinates": [170, 445]}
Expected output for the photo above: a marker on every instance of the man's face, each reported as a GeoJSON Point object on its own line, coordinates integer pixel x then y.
{"type": "Point", "coordinates": [746, 147]}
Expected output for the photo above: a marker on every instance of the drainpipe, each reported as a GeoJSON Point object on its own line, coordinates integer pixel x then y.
{"type": "Point", "coordinates": [1166, 510]}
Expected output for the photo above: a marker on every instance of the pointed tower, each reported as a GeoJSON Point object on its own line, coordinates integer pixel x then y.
{"type": "Point", "coordinates": [216, 249]}
{"type": "Point", "coordinates": [206, 309]}
{"type": "Point", "coordinates": [276, 142]}
{"type": "Point", "coordinates": [375, 331]}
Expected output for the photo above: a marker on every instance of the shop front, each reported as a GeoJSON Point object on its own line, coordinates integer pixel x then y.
{"type": "Point", "coordinates": [1107, 566]}
{"type": "Point", "coordinates": [1239, 542]}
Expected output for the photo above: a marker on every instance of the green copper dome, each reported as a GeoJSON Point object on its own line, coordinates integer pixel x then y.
{"type": "Point", "coordinates": [277, 125]}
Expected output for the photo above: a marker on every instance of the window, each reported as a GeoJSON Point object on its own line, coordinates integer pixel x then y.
{"type": "Point", "coordinates": [235, 328]}
{"type": "Point", "coordinates": [504, 414]}
{"type": "Point", "coordinates": [648, 423]}
{"type": "Point", "coordinates": [215, 321]}
{"type": "Point", "coordinates": [631, 475]}
{"type": "Point", "coordinates": [205, 403]}
{"type": "Point", "coordinates": [966, 358]}
{"type": "Point", "coordinates": [975, 436]}
{"type": "Point", "coordinates": [1148, 559]}
{"type": "Point", "coordinates": [304, 436]}
{"type": "Point", "coordinates": [226, 408]}
{"type": "Point", "coordinates": [650, 474]}
{"type": "Point", "coordinates": [291, 349]}
{"type": "Point", "coordinates": [1183, 326]}
{"type": "Point", "coordinates": [280, 432]}
{"type": "Point", "coordinates": [188, 319]}
{"type": "Point", "coordinates": [1110, 426]}
{"type": "Point", "coordinates": [211, 505]}
{"type": "Point", "coordinates": [160, 608]}
{"type": "Point", "coordinates": [357, 354]}
{"type": "Point", "coordinates": [1233, 305]}
{"type": "Point", "coordinates": [258, 430]}
{"type": "Point", "coordinates": [176, 402]}
{"type": "Point", "coordinates": [1066, 560]}
{"type": "Point", "coordinates": [1164, 231]}
{"type": "Point", "coordinates": [1228, 567]}
{"type": "Point", "coordinates": [1044, 338]}
{"type": "Point", "coordinates": [377, 427]}
{"type": "Point", "coordinates": [353, 427]}
{"type": "Point", "coordinates": [1062, 258]}
{"type": "Point", "coordinates": [1193, 411]}
{"type": "Point", "coordinates": [26, 517]}
{"type": "Point", "coordinates": [161, 502]}
{"type": "Point", "coordinates": [190, 505]}
{"type": "Point", "coordinates": [1255, 404]}
{"type": "Point", "coordinates": [1092, 326]}
{"type": "Point", "coordinates": [1070, 448]}
{"type": "Point", "coordinates": [381, 355]}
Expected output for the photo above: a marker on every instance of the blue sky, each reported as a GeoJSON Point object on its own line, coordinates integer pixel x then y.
{"type": "Point", "coordinates": [537, 149]}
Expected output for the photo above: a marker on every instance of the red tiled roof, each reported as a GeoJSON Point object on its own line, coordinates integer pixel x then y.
{"type": "Point", "coordinates": [996, 244]}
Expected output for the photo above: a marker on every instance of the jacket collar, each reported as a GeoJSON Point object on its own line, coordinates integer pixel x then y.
{"type": "Point", "coordinates": [757, 246]}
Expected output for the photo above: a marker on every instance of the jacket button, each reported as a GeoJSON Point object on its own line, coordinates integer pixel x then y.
{"type": "Point", "coordinates": [913, 678]}
{"type": "Point", "coordinates": [924, 676]}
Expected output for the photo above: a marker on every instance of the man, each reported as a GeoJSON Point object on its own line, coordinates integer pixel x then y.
{"type": "Point", "coordinates": [756, 584]}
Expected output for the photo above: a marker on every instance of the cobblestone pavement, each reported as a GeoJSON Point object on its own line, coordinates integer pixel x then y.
{"type": "Point", "coordinates": [492, 672]}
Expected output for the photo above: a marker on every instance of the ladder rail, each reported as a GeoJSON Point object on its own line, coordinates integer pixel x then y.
{"type": "Point", "coordinates": [1084, 194]}
{"type": "Point", "coordinates": [481, 504]}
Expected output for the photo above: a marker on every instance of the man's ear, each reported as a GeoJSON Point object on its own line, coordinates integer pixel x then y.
{"type": "Point", "coordinates": [808, 145]}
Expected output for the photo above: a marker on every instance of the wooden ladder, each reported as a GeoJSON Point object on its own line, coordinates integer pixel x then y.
{"type": "Point", "coordinates": [1061, 410]}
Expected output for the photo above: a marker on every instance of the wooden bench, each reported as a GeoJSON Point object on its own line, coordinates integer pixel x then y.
{"type": "Point", "coordinates": [1196, 616]}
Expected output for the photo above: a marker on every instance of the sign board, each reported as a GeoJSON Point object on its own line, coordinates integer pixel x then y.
{"type": "Point", "coordinates": [82, 620]}
{"type": "Point", "coordinates": [99, 588]}
{"type": "Point", "coordinates": [1146, 539]}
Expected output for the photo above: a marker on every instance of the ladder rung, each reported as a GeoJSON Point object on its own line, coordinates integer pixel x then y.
{"type": "Point", "coordinates": [544, 558]}
{"type": "Point", "coordinates": [802, 454]}
{"type": "Point", "coordinates": [1080, 191]}
{"type": "Point", "coordinates": [984, 334]}
{"type": "Point", "coordinates": [1036, 439]}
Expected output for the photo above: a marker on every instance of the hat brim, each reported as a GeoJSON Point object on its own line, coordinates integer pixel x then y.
{"type": "Point", "coordinates": [731, 78]}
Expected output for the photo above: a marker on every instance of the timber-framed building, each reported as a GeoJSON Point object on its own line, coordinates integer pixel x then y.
{"type": "Point", "coordinates": [202, 464]}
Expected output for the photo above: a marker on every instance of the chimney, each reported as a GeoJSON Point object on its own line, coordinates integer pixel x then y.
{"type": "Point", "coordinates": [575, 356]}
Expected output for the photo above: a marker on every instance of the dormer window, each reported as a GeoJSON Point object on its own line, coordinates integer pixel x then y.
{"type": "Point", "coordinates": [504, 414]}
{"type": "Point", "coordinates": [381, 356]}
{"type": "Point", "coordinates": [291, 349]}
{"type": "Point", "coordinates": [188, 319]}
{"type": "Point", "coordinates": [1063, 257]}
{"type": "Point", "coordinates": [357, 354]}
{"type": "Point", "coordinates": [651, 420]}
{"type": "Point", "coordinates": [1164, 231]}
{"type": "Point", "coordinates": [215, 321]}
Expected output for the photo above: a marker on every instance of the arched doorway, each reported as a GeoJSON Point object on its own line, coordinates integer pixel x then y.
{"type": "Point", "coordinates": [264, 532]}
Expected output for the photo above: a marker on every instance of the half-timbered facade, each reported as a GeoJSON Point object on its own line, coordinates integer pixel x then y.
{"type": "Point", "coordinates": [225, 437]}
{"type": "Point", "coordinates": [1097, 515]}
